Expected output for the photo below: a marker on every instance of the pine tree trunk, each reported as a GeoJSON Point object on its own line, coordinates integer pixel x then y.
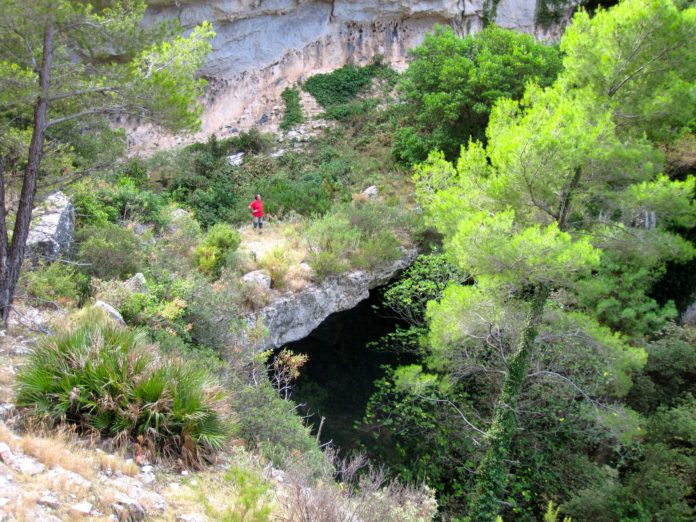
{"type": "Point", "coordinates": [492, 473]}
{"type": "Point", "coordinates": [13, 256]}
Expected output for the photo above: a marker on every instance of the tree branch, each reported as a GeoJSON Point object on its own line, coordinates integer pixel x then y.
{"type": "Point", "coordinates": [79, 92]}
{"type": "Point", "coordinates": [99, 110]}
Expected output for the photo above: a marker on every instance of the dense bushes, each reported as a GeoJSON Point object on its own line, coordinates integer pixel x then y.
{"type": "Point", "coordinates": [271, 424]}
{"type": "Point", "coordinates": [359, 235]}
{"type": "Point", "coordinates": [57, 283]}
{"type": "Point", "coordinates": [450, 87]}
{"type": "Point", "coordinates": [337, 91]}
{"type": "Point", "coordinates": [105, 378]}
{"type": "Point", "coordinates": [293, 109]}
{"type": "Point", "coordinates": [339, 86]}
{"type": "Point", "coordinates": [109, 251]}
{"type": "Point", "coordinates": [220, 241]}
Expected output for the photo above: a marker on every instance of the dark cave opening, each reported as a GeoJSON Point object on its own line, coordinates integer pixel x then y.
{"type": "Point", "coordinates": [338, 379]}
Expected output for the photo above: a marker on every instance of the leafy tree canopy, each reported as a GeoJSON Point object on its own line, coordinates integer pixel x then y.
{"type": "Point", "coordinates": [452, 83]}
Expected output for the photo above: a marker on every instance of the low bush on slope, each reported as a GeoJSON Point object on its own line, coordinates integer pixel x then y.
{"type": "Point", "coordinates": [106, 378]}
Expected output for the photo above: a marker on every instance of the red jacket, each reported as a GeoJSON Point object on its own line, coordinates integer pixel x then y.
{"type": "Point", "coordinates": [256, 207]}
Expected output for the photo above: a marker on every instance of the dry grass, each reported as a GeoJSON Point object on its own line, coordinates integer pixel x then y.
{"type": "Point", "coordinates": [279, 250]}
{"type": "Point", "coordinates": [111, 464]}
{"type": "Point", "coordinates": [297, 278]}
{"type": "Point", "coordinates": [62, 450]}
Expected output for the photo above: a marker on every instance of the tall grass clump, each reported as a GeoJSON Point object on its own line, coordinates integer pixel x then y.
{"type": "Point", "coordinates": [106, 379]}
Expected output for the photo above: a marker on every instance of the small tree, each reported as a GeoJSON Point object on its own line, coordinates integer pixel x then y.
{"type": "Point", "coordinates": [563, 177]}
{"type": "Point", "coordinates": [67, 69]}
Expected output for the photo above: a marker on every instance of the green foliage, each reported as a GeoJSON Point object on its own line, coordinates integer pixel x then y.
{"type": "Point", "coordinates": [424, 281]}
{"type": "Point", "coordinates": [627, 57]}
{"type": "Point", "coordinates": [105, 377]}
{"type": "Point", "coordinates": [670, 373]}
{"type": "Point", "coordinates": [450, 87]}
{"type": "Point", "coordinates": [413, 422]}
{"type": "Point", "coordinates": [251, 142]}
{"type": "Point", "coordinates": [558, 193]}
{"type": "Point", "coordinates": [550, 12]}
{"type": "Point", "coordinates": [351, 110]}
{"type": "Point", "coordinates": [109, 251]}
{"type": "Point", "coordinates": [247, 502]}
{"type": "Point", "coordinates": [340, 86]}
{"type": "Point", "coordinates": [330, 240]}
{"type": "Point", "coordinates": [658, 475]}
{"type": "Point", "coordinates": [618, 295]}
{"type": "Point", "coordinates": [271, 424]}
{"type": "Point", "coordinates": [57, 283]}
{"type": "Point", "coordinates": [293, 109]}
{"type": "Point", "coordinates": [282, 193]}
{"type": "Point", "coordinates": [552, 514]}
{"type": "Point", "coordinates": [357, 235]}
{"type": "Point", "coordinates": [220, 241]}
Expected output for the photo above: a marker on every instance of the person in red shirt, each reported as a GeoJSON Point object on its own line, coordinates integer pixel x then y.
{"type": "Point", "coordinates": [256, 208]}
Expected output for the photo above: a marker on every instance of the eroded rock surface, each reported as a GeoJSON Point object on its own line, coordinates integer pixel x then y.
{"type": "Point", "coordinates": [264, 46]}
{"type": "Point", "coordinates": [291, 317]}
{"type": "Point", "coordinates": [52, 228]}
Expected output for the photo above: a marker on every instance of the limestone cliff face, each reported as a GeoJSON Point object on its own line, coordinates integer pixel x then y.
{"type": "Point", "coordinates": [263, 46]}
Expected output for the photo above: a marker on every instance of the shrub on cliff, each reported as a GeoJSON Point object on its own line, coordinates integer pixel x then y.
{"type": "Point", "coordinates": [293, 109]}
{"type": "Point", "coordinates": [105, 378]}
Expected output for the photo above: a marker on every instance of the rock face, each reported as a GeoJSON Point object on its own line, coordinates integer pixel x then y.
{"type": "Point", "coordinates": [294, 316]}
{"type": "Point", "coordinates": [52, 228]}
{"type": "Point", "coordinates": [263, 46]}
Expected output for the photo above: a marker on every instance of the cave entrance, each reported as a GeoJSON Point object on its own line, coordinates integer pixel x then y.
{"type": "Point", "coordinates": [338, 380]}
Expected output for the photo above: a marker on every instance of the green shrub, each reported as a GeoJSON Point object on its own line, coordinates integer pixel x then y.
{"type": "Point", "coordinates": [252, 142]}
{"type": "Point", "coordinates": [246, 497]}
{"type": "Point", "coordinates": [110, 251]}
{"type": "Point", "coordinates": [57, 282]}
{"type": "Point", "coordinates": [123, 201]}
{"type": "Point", "coordinates": [333, 233]}
{"type": "Point", "coordinates": [343, 85]}
{"type": "Point", "coordinates": [270, 424]}
{"type": "Point", "coordinates": [276, 262]}
{"type": "Point", "coordinates": [283, 194]}
{"type": "Point", "coordinates": [449, 89]}
{"type": "Point", "coordinates": [347, 111]}
{"type": "Point", "coordinates": [90, 207]}
{"type": "Point", "coordinates": [327, 263]}
{"type": "Point", "coordinates": [220, 241]}
{"type": "Point", "coordinates": [382, 247]}
{"type": "Point", "coordinates": [293, 109]}
{"type": "Point", "coordinates": [212, 311]}
{"type": "Point", "coordinates": [105, 378]}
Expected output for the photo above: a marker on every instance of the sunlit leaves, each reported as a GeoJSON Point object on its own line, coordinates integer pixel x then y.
{"type": "Point", "coordinates": [637, 59]}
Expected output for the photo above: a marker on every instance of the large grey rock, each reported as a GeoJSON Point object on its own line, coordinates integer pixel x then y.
{"type": "Point", "coordinates": [136, 284]}
{"type": "Point", "coordinates": [235, 160]}
{"type": "Point", "coordinates": [292, 317]}
{"type": "Point", "coordinates": [689, 316]}
{"type": "Point", "coordinates": [258, 277]}
{"type": "Point", "coordinates": [371, 192]}
{"type": "Point", "coordinates": [111, 311]}
{"type": "Point", "coordinates": [52, 229]}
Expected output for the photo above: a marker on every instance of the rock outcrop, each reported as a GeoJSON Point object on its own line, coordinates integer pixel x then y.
{"type": "Point", "coordinates": [263, 46]}
{"type": "Point", "coordinates": [294, 316]}
{"type": "Point", "coordinates": [52, 229]}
